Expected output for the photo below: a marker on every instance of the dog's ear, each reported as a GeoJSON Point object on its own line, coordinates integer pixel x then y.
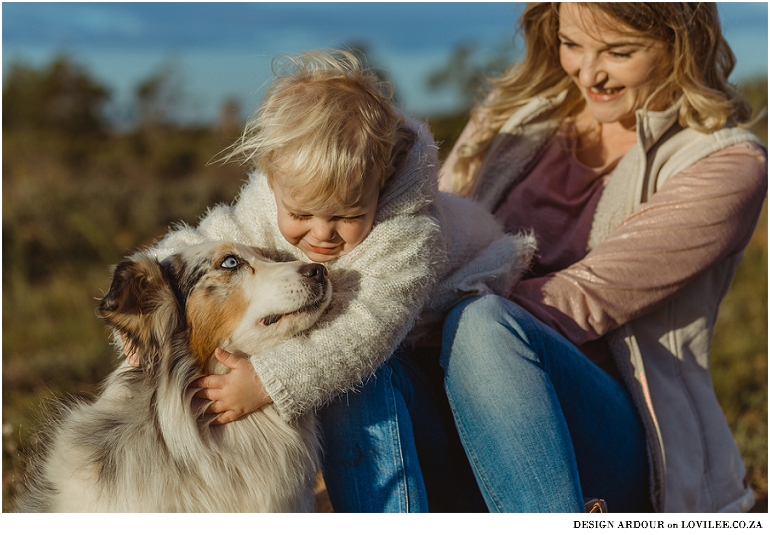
{"type": "Point", "coordinates": [132, 282]}
{"type": "Point", "coordinates": [139, 303]}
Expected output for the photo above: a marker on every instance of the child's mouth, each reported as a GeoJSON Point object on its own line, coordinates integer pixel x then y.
{"type": "Point", "coordinates": [321, 250]}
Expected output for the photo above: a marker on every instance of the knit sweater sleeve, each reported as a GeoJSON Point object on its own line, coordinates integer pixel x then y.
{"type": "Point", "coordinates": [378, 291]}
{"type": "Point", "coordinates": [699, 217]}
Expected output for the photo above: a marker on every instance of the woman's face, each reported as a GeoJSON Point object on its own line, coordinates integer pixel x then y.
{"type": "Point", "coordinates": [614, 71]}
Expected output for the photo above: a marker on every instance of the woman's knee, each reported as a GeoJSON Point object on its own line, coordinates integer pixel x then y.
{"type": "Point", "coordinates": [476, 325]}
{"type": "Point", "coordinates": [475, 310]}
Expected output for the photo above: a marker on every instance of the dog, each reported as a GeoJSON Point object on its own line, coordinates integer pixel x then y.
{"type": "Point", "coordinates": [145, 443]}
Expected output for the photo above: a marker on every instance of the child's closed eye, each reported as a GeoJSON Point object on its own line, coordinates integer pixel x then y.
{"type": "Point", "coordinates": [299, 217]}
{"type": "Point", "coordinates": [350, 219]}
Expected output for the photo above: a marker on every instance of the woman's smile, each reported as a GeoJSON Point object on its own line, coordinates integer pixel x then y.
{"type": "Point", "coordinates": [600, 94]}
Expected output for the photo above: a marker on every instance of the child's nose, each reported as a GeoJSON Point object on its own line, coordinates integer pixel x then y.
{"type": "Point", "coordinates": [323, 231]}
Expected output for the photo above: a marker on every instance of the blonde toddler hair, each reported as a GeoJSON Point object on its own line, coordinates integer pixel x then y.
{"type": "Point", "coordinates": [328, 126]}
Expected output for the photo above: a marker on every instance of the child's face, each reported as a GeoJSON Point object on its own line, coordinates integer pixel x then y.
{"type": "Point", "coordinates": [324, 234]}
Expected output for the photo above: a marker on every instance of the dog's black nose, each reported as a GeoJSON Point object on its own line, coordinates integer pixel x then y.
{"type": "Point", "coordinates": [317, 272]}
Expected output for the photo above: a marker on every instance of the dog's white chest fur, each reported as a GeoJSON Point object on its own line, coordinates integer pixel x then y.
{"type": "Point", "coordinates": [145, 445]}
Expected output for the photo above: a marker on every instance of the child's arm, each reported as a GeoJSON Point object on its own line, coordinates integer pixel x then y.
{"type": "Point", "coordinates": [233, 395]}
{"type": "Point", "coordinates": [379, 290]}
{"type": "Point", "coordinates": [373, 309]}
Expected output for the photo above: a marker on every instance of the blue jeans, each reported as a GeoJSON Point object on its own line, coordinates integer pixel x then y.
{"type": "Point", "coordinates": [392, 446]}
{"type": "Point", "coordinates": [541, 425]}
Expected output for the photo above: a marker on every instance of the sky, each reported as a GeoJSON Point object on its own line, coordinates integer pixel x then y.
{"type": "Point", "coordinates": [223, 50]}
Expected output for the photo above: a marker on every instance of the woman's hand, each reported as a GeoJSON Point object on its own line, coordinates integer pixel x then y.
{"type": "Point", "coordinates": [234, 394]}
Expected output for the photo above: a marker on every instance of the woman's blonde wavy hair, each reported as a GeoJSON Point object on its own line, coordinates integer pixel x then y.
{"type": "Point", "coordinates": [700, 58]}
{"type": "Point", "coordinates": [327, 125]}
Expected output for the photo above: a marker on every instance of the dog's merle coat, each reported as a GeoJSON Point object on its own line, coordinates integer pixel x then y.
{"type": "Point", "coordinates": [145, 443]}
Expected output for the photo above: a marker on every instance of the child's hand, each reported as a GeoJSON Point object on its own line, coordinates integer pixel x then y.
{"type": "Point", "coordinates": [234, 394]}
{"type": "Point", "coordinates": [132, 355]}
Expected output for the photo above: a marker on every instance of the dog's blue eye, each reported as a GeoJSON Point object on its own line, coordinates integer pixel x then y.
{"type": "Point", "coordinates": [230, 262]}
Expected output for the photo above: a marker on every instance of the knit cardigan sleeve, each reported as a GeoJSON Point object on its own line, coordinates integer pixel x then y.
{"type": "Point", "coordinates": [378, 289]}
{"type": "Point", "coordinates": [373, 308]}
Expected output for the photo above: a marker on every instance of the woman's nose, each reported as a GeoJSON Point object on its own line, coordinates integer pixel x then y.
{"type": "Point", "coordinates": [592, 72]}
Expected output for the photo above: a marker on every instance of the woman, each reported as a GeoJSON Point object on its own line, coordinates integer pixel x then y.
{"type": "Point", "coordinates": [615, 141]}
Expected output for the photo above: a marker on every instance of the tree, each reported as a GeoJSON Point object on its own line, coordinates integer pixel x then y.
{"type": "Point", "coordinates": [468, 68]}
{"type": "Point", "coordinates": [160, 96]}
{"type": "Point", "coordinates": [61, 97]}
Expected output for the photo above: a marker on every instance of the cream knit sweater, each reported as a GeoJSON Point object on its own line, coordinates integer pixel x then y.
{"type": "Point", "coordinates": [426, 251]}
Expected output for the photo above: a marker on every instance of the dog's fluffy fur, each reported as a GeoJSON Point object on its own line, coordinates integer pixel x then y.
{"type": "Point", "coordinates": [145, 443]}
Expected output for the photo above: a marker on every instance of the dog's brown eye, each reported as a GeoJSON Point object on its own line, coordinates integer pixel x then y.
{"type": "Point", "coordinates": [230, 262]}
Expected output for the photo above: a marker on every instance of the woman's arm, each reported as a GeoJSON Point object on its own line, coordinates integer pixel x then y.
{"type": "Point", "coordinates": [698, 217]}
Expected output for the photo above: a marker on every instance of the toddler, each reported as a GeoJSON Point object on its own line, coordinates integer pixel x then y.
{"type": "Point", "coordinates": [341, 177]}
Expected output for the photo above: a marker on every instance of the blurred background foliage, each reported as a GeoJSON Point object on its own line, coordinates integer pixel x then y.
{"type": "Point", "coordinates": [80, 194]}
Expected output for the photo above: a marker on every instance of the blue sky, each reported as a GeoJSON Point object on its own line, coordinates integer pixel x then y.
{"type": "Point", "coordinates": [224, 49]}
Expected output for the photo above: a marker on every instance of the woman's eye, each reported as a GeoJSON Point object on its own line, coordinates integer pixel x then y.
{"type": "Point", "coordinates": [230, 262]}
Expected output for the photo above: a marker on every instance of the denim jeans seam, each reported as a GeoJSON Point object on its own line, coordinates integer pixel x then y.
{"type": "Point", "coordinates": [478, 470]}
{"type": "Point", "coordinates": [403, 495]}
